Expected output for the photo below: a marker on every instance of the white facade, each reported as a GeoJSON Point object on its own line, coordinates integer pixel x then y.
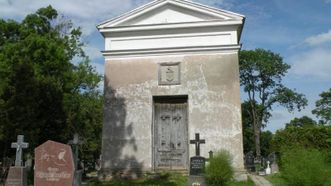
{"type": "Point", "coordinates": [171, 26]}
{"type": "Point", "coordinates": [204, 42]}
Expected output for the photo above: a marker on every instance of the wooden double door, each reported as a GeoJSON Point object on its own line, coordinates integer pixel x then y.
{"type": "Point", "coordinates": [170, 136]}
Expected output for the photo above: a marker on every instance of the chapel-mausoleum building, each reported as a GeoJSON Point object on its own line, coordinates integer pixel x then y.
{"type": "Point", "coordinates": [171, 70]}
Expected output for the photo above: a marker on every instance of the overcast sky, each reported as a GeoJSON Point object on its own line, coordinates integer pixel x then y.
{"type": "Point", "coordinates": [300, 30]}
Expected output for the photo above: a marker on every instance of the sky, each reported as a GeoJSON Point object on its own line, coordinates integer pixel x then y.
{"type": "Point", "coordinates": [299, 30]}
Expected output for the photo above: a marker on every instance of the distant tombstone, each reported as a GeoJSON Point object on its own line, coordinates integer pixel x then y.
{"type": "Point", "coordinates": [197, 164]}
{"type": "Point", "coordinates": [249, 161]}
{"type": "Point", "coordinates": [211, 154]}
{"type": "Point", "coordinates": [17, 175]}
{"type": "Point", "coordinates": [268, 169]}
{"type": "Point", "coordinates": [54, 165]}
{"type": "Point", "coordinates": [274, 166]}
{"type": "Point", "coordinates": [75, 142]}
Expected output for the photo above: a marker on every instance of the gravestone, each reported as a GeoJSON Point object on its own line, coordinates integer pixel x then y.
{"type": "Point", "coordinates": [54, 165]}
{"type": "Point", "coordinates": [268, 169]}
{"type": "Point", "coordinates": [17, 175]}
{"type": "Point", "coordinates": [197, 164]}
{"type": "Point", "coordinates": [249, 161]}
{"type": "Point", "coordinates": [75, 142]}
{"type": "Point", "coordinates": [274, 166]}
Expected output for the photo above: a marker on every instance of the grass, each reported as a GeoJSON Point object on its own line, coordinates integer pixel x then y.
{"type": "Point", "coordinates": [165, 180]}
{"type": "Point", "coordinates": [249, 182]}
{"type": "Point", "coordinates": [276, 180]}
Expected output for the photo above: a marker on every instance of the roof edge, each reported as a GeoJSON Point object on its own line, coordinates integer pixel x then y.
{"type": "Point", "coordinates": [140, 10]}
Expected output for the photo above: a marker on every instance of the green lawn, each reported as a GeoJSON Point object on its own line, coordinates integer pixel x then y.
{"type": "Point", "coordinates": [249, 182]}
{"type": "Point", "coordinates": [276, 180]}
{"type": "Point", "coordinates": [170, 180]}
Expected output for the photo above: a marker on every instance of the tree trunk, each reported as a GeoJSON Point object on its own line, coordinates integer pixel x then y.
{"type": "Point", "coordinates": [257, 134]}
{"type": "Point", "coordinates": [257, 129]}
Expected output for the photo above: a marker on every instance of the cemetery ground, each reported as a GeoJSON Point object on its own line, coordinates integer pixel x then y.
{"type": "Point", "coordinates": [165, 179]}
{"type": "Point", "coordinates": [276, 180]}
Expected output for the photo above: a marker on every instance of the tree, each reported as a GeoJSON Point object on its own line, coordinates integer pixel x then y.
{"type": "Point", "coordinates": [261, 74]}
{"type": "Point", "coordinates": [323, 107]}
{"type": "Point", "coordinates": [248, 133]}
{"type": "Point", "coordinates": [304, 121]}
{"type": "Point", "coordinates": [317, 137]}
{"type": "Point", "coordinates": [43, 94]}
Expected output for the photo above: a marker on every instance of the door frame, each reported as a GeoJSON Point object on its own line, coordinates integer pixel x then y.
{"type": "Point", "coordinates": [169, 99]}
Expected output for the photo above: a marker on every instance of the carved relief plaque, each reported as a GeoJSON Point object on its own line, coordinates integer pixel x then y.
{"type": "Point", "coordinates": [169, 74]}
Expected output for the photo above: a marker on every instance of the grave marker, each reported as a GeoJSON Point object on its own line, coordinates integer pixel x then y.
{"type": "Point", "coordinates": [197, 164]}
{"type": "Point", "coordinates": [19, 145]}
{"type": "Point", "coordinates": [197, 141]}
{"type": "Point", "coordinates": [75, 142]}
{"type": "Point", "coordinates": [17, 175]}
{"type": "Point", "coordinates": [249, 161]}
{"type": "Point", "coordinates": [54, 165]}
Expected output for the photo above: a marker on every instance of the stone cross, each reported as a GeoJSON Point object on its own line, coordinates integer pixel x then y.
{"type": "Point", "coordinates": [75, 142]}
{"type": "Point", "coordinates": [19, 145]}
{"type": "Point", "coordinates": [268, 169]}
{"type": "Point", "coordinates": [197, 141]}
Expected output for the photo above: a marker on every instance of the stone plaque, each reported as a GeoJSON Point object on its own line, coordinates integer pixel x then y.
{"type": "Point", "coordinates": [169, 74]}
{"type": "Point", "coordinates": [53, 165]}
{"type": "Point", "coordinates": [16, 177]}
{"type": "Point", "coordinates": [197, 165]}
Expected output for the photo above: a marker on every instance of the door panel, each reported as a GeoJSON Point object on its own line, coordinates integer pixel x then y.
{"type": "Point", "coordinates": [170, 134]}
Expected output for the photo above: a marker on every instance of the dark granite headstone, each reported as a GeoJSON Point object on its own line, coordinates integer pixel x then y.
{"type": "Point", "coordinates": [249, 162]}
{"type": "Point", "coordinates": [54, 165]}
{"type": "Point", "coordinates": [17, 176]}
{"type": "Point", "coordinates": [197, 165]}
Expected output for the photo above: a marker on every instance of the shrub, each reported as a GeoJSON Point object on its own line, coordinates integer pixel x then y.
{"type": "Point", "coordinates": [219, 170]}
{"type": "Point", "coordinates": [317, 137]}
{"type": "Point", "coordinates": [305, 167]}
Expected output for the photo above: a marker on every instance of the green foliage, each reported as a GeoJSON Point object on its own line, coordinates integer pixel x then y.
{"type": "Point", "coordinates": [44, 95]}
{"type": "Point", "coordinates": [305, 167]}
{"type": "Point", "coordinates": [318, 137]}
{"type": "Point", "coordinates": [266, 137]}
{"type": "Point", "coordinates": [304, 121]}
{"type": "Point", "coordinates": [261, 73]}
{"type": "Point", "coordinates": [219, 170]}
{"type": "Point", "coordinates": [323, 107]}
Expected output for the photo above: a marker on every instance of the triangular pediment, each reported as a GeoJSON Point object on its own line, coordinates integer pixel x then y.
{"type": "Point", "coordinates": [170, 11]}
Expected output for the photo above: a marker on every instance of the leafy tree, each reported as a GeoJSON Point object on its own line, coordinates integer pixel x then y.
{"type": "Point", "coordinates": [323, 107]}
{"type": "Point", "coordinates": [248, 133]}
{"type": "Point", "coordinates": [48, 88]}
{"type": "Point", "coordinates": [304, 121]}
{"type": "Point", "coordinates": [261, 74]}
{"type": "Point", "coordinates": [316, 137]}
{"type": "Point", "coordinates": [266, 138]}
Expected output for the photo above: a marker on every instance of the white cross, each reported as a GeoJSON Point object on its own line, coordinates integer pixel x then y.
{"type": "Point", "coordinates": [19, 145]}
